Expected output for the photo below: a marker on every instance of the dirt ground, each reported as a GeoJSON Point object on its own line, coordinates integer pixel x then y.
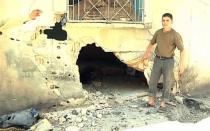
{"type": "Point", "coordinates": [119, 103]}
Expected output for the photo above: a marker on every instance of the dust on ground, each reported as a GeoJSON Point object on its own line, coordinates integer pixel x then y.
{"type": "Point", "coordinates": [119, 103]}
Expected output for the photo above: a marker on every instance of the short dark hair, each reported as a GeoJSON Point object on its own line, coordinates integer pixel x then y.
{"type": "Point", "coordinates": [168, 15]}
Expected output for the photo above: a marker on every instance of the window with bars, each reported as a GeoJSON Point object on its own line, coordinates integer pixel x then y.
{"type": "Point", "coordinates": [109, 11]}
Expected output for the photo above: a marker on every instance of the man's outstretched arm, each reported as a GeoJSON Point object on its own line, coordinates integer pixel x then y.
{"type": "Point", "coordinates": [148, 51]}
{"type": "Point", "coordinates": [182, 62]}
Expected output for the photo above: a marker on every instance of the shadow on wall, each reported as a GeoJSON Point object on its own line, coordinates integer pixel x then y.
{"type": "Point", "coordinates": [15, 94]}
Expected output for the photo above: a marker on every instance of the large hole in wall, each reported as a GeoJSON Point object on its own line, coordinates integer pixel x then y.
{"type": "Point", "coordinates": [103, 70]}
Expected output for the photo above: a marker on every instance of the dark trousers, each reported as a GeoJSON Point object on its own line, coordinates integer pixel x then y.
{"type": "Point", "coordinates": [164, 67]}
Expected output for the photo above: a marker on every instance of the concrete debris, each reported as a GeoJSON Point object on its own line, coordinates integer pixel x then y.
{"type": "Point", "coordinates": [98, 93]}
{"type": "Point", "coordinates": [171, 103]}
{"type": "Point", "coordinates": [42, 125]}
{"type": "Point", "coordinates": [57, 92]}
{"type": "Point", "coordinates": [64, 103]}
{"type": "Point", "coordinates": [109, 109]}
{"type": "Point", "coordinates": [187, 81]}
{"type": "Point", "coordinates": [100, 110]}
{"type": "Point", "coordinates": [133, 106]}
{"type": "Point", "coordinates": [72, 128]}
{"type": "Point", "coordinates": [75, 112]}
{"type": "Point", "coordinates": [179, 99]}
{"type": "Point", "coordinates": [73, 102]}
{"type": "Point", "coordinates": [115, 111]}
{"type": "Point", "coordinates": [115, 128]}
{"type": "Point", "coordinates": [12, 129]}
{"type": "Point", "coordinates": [119, 101]}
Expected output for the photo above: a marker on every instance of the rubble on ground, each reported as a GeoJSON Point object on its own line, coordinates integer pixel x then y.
{"type": "Point", "coordinates": [106, 108]}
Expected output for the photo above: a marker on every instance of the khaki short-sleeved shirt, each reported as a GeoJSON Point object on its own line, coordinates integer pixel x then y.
{"type": "Point", "coordinates": [167, 42]}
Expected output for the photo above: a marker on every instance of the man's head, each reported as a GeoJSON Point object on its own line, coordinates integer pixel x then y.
{"type": "Point", "coordinates": [167, 20]}
{"type": "Point", "coordinates": [34, 14]}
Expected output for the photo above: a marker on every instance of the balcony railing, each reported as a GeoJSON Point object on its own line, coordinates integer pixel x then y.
{"type": "Point", "coordinates": [107, 11]}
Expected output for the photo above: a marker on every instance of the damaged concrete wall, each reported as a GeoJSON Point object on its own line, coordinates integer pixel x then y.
{"type": "Point", "coordinates": [36, 69]}
{"type": "Point", "coordinates": [110, 37]}
{"type": "Point", "coordinates": [33, 75]}
{"type": "Point", "coordinates": [190, 20]}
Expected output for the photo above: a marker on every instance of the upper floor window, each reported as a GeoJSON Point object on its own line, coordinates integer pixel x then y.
{"type": "Point", "coordinates": [108, 11]}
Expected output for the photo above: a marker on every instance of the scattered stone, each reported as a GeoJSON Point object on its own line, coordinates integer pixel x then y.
{"type": "Point", "coordinates": [116, 113]}
{"type": "Point", "coordinates": [98, 93]}
{"type": "Point", "coordinates": [205, 107]}
{"type": "Point", "coordinates": [88, 112]}
{"type": "Point", "coordinates": [170, 103]}
{"type": "Point", "coordinates": [123, 119]}
{"type": "Point", "coordinates": [94, 114]}
{"type": "Point", "coordinates": [71, 100]}
{"type": "Point", "coordinates": [99, 108]}
{"type": "Point", "coordinates": [110, 97]}
{"type": "Point", "coordinates": [72, 128]}
{"type": "Point", "coordinates": [64, 103]}
{"type": "Point", "coordinates": [106, 105]}
{"type": "Point", "coordinates": [42, 125]}
{"type": "Point", "coordinates": [113, 111]}
{"type": "Point", "coordinates": [148, 113]}
{"type": "Point", "coordinates": [61, 120]}
{"type": "Point", "coordinates": [57, 92]}
{"type": "Point", "coordinates": [179, 99]}
{"type": "Point", "coordinates": [133, 106]}
{"type": "Point", "coordinates": [67, 116]}
{"type": "Point", "coordinates": [102, 101]}
{"type": "Point", "coordinates": [78, 120]}
{"type": "Point", "coordinates": [81, 125]}
{"type": "Point", "coordinates": [92, 107]}
{"type": "Point", "coordinates": [119, 101]}
{"type": "Point", "coordinates": [83, 111]}
{"type": "Point", "coordinates": [93, 123]}
{"type": "Point", "coordinates": [85, 94]}
{"type": "Point", "coordinates": [116, 128]}
{"type": "Point", "coordinates": [84, 119]}
{"type": "Point", "coordinates": [76, 102]}
{"type": "Point", "coordinates": [98, 115]}
{"type": "Point", "coordinates": [123, 125]}
{"type": "Point", "coordinates": [75, 112]}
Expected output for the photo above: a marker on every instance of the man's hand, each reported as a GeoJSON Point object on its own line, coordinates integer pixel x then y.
{"type": "Point", "coordinates": [181, 70]}
{"type": "Point", "coordinates": [181, 63]}
{"type": "Point", "coordinates": [148, 52]}
{"type": "Point", "coordinates": [34, 14]}
{"type": "Point", "coordinates": [145, 56]}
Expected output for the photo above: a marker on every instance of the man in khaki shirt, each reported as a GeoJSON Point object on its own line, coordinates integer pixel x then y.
{"type": "Point", "coordinates": [166, 41]}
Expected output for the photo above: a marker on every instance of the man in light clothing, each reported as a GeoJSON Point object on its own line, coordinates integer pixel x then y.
{"type": "Point", "coordinates": [166, 41]}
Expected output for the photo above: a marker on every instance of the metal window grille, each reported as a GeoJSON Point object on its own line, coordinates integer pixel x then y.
{"type": "Point", "coordinates": [106, 11]}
